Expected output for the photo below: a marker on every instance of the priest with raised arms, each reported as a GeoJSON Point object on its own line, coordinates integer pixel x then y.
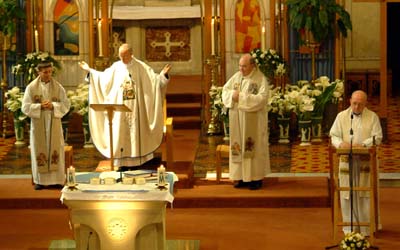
{"type": "Point", "coordinates": [136, 134]}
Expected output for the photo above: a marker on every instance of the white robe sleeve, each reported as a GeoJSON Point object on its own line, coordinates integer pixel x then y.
{"type": "Point", "coordinates": [62, 107]}
{"type": "Point", "coordinates": [29, 108]}
{"type": "Point", "coordinates": [249, 102]}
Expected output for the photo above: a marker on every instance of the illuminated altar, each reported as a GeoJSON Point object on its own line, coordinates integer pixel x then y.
{"type": "Point", "coordinates": [118, 216]}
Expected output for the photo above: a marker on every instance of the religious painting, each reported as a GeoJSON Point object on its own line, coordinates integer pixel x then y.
{"type": "Point", "coordinates": [247, 25]}
{"type": "Point", "coordinates": [66, 28]}
{"type": "Point", "coordinates": [168, 44]}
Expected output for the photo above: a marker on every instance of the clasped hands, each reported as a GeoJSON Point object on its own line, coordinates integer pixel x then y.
{"type": "Point", "coordinates": [46, 105]}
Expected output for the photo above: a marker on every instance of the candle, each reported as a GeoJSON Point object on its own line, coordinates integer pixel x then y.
{"type": "Point", "coordinates": [36, 41]}
{"type": "Point", "coordinates": [100, 39]}
{"type": "Point", "coordinates": [161, 176]}
{"type": "Point", "coordinates": [212, 37]}
{"type": "Point", "coordinates": [263, 38]}
{"type": "Point", "coordinates": [71, 176]}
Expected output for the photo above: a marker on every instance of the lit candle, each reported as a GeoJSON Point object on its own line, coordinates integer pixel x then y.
{"type": "Point", "coordinates": [212, 37]}
{"type": "Point", "coordinates": [71, 176]}
{"type": "Point", "coordinates": [263, 38]}
{"type": "Point", "coordinates": [100, 39]}
{"type": "Point", "coordinates": [161, 176]}
{"type": "Point", "coordinates": [36, 41]}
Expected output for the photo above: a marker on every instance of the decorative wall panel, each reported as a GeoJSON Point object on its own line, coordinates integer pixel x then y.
{"type": "Point", "coordinates": [167, 44]}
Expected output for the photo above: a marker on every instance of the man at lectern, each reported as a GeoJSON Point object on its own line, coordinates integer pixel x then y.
{"type": "Point", "coordinates": [136, 134]}
{"type": "Point", "coordinates": [356, 126]}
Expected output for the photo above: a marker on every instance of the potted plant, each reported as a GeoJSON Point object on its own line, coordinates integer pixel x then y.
{"type": "Point", "coordinates": [14, 98]}
{"type": "Point", "coordinates": [319, 18]}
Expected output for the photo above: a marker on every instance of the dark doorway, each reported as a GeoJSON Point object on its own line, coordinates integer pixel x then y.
{"type": "Point", "coordinates": [393, 46]}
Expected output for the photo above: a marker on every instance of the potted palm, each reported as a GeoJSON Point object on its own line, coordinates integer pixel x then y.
{"type": "Point", "coordinates": [318, 18]}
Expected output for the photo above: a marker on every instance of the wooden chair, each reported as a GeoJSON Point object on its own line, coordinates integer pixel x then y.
{"type": "Point", "coordinates": [221, 151]}
{"type": "Point", "coordinates": [334, 155]}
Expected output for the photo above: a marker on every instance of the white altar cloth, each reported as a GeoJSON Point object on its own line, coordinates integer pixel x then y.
{"type": "Point", "coordinates": [118, 216]}
{"type": "Point", "coordinates": [118, 191]}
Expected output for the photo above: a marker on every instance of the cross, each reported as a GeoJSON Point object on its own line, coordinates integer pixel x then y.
{"type": "Point", "coordinates": [167, 44]}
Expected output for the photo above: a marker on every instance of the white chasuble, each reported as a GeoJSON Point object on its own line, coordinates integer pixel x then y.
{"type": "Point", "coordinates": [136, 134]}
{"type": "Point", "coordinates": [47, 140]}
{"type": "Point", "coordinates": [248, 126]}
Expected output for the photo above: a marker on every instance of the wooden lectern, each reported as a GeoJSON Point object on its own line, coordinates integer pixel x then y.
{"type": "Point", "coordinates": [334, 155]}
{"type": "Point", "coordinates": [110, 109]}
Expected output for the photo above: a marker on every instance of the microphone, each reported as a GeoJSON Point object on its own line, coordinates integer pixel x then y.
{"type": "Point", "coordinates": [351, 126]}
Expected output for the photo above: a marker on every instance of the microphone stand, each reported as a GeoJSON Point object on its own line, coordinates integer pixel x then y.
{"type": "Point", "coordinates": [351, 174]}
{"type": "Point", "coordinates": [350, 179]}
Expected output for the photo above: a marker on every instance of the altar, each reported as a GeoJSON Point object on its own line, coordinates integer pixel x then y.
{"type": "Point", "coordinates": [118, 216]}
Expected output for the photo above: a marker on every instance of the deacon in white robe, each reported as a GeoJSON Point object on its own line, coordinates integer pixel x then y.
{"type": "Point", "coordinates": [356, 126]}
{"type": "Point", "coordinates": [245, 94]}
{"type": "Point", "coordinates": [45, 102]}
{"type": "Point", "coordinates": [136, 134]}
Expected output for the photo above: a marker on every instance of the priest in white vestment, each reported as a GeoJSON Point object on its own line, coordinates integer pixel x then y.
{"type": "Point", "coordinates": [357, 126]}
{"type": "Point", "coordinates": [45, 102]}
{"type": "Point", "coordinates": [245, 94]}
{"type": "Point", "coordinates": [136, 134]}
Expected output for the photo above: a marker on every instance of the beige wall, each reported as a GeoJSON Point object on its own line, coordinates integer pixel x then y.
{"type": "Point", "coordinates": [362, 46]}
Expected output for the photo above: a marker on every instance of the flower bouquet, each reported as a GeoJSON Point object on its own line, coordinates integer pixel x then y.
{"type": "Point", "coordinates": [27, 65]}
{"type": "Point", "coordinates": [324, 92]}
{"type": "Point", "coordinates": [14, 98]}
{"type": "Point", "coordinates": [280, 103]}
{"type": "Point", "coordinates": [354, 241]}
{"type": "Point", "coordinates": [13, 102]}
{"type": "Point", "coordinates": [300, 96]}
{"type": "Point", "coordinates": [216, 103]}
{"type": "Point", "coordinates": [269, 62]}
{"type": "Point", "coordinates": [80, 101]}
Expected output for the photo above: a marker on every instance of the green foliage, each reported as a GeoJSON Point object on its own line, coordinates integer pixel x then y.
{"type": "Point", "coordinates": [9, 12]}
{"type": "Point", "coordinates": [320, 17]}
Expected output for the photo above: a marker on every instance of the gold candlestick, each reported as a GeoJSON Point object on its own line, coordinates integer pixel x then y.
{"type": "Point", "coordinates": [4, 85]}
{"type": "Point", "coordinates": [214, 127]}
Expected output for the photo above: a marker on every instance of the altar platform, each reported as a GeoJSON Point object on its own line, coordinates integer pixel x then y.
{"type": "Point", "coordinates": [214, 216]}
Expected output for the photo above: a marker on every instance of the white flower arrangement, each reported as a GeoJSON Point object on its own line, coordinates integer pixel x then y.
{"type": "Point", "coordinates": [301, 96]}
{"type": "Point", "coordinates": [270, 62]}
{"type": "Point", "coordinates": [13, 102]}
{"type": "Point", "coordinates": [80, 100]}
{"type": "Point", "coordinates": [280, 103]}
{"type": "Point", "coordinates": [324, 92]}
{"type": "Point", "coordinates": [354, 241]}
{"type": "Point", "coordinates": [27, 65]}
{"type": "Point", "coordinates": [216, 102]}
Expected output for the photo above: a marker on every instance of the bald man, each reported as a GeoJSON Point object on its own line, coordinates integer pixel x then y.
{"type": "Point", "coordinates": [356, 126]}
{"type": "Point", "coordinates": [245, 94]}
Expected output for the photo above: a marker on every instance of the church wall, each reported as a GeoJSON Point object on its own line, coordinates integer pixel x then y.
{"type": "Point", "coordinates": [363, 43]}
{"type": "Point", "coordinates": [135, 35]}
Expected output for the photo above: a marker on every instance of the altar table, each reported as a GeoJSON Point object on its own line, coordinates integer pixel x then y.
{"type": "Point", "coordinates": [118, 216]}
